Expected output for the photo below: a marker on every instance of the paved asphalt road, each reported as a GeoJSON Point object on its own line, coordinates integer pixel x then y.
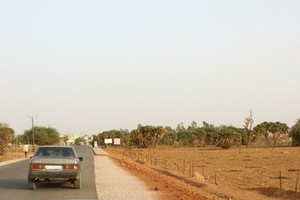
{"type": "Point", "coordinates": [13, 182]}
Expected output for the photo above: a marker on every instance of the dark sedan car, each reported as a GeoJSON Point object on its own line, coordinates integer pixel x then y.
{"type": "Point", "coordinates": [54, 164]}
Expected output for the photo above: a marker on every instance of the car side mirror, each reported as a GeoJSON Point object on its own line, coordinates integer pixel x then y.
{"type": "Point", "coordinates": [80, 158]}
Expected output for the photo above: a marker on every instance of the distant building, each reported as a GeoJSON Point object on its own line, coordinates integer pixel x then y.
{"type": "Point", "coordinates": [71, 139]}
{"type": "Point", "coordinates": [88, 139]}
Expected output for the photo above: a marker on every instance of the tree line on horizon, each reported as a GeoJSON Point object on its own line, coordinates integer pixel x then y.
{"type": "Point", "coordinates": [198, 136]}
{"type": "Point", "coordinates": [267, 133]}
{"type": "Point", "coordinates": [144, 136]}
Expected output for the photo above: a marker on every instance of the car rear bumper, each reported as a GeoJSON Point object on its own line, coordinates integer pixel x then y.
{"type": "Point", "coordinates": [54, 175]}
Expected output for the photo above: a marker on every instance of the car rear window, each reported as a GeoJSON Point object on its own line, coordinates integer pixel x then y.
{"type": "Point", "coordinates": [54, 152]}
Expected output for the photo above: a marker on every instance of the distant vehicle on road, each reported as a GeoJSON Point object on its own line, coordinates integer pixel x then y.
{"type": "Point", "coordinates": [54, 164]}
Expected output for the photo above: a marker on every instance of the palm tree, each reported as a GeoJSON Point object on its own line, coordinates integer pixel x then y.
{"type": "Point", "coordinates": [228, 136]}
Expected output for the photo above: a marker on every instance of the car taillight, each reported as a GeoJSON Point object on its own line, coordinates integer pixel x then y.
{"type": "Point", "coordinates": [71, 166]}
{"type": "Point", "coordinates": [36, 166]}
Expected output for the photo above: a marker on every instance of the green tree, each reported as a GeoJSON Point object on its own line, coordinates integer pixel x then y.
{"type": "Point", "coordinates": [184, 136]}
{"type": "Point", "coordinates": [100, 139]}
{"type": "Point", "coordinates": [42, 136]}
{"type": "Point", "coordinates": [295, 133]}
{"type": "Point", "coordinates": [6, 136]}
{"type": "Point", "coordinates": [79, 140]}
{"type": "Point", "coordinates": [144, 136]}
{"type": "Point", "coordinates": [198, 134]}
{"type": "Point", "coordinates": [125, 137]}
{"type": "Point", "coordinates": [170, 136]}
{"type": "Point", "coordinates": [195, 135]}
{"type": "Point", "coordinates": [228, 136]}
{"type": "Point", "coordinates": [141, 136]}
{"type": "Point", "coordinates": [111, 134]}
{"type": "Point", "coordinates": [210, 133]}
{"type": "Point", "coordinates": [158, 133]}
{"type": "Point", "coordinates": [271, 131]}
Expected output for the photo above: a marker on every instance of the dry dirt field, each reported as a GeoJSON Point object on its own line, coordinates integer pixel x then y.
{"type": "Point", "coordinates": [210, 173]}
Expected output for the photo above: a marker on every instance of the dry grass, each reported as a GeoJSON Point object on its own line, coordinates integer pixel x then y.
{"type": "Point", "coordinates": [251, 169]}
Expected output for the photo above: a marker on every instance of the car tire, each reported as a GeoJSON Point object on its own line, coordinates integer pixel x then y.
{"type": "Point", "coordinates": [77, 183]}
{"type": "Point", "coordinates": [31, 184]}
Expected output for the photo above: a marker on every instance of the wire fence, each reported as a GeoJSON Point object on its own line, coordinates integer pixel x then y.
{"type": "Point", "coordinates": [273, 168]}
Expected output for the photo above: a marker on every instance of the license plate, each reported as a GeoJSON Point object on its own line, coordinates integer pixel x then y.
{"type": "Point", "coordinates": [54, 167]}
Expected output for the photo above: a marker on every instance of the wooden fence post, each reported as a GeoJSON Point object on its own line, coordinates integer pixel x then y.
{"type": "Point", "coordinates": [193, 164]}
{"type": "Point", "coordinates": [296, 187]}
{"type": "Point", "coordinates": [261, 178]}
{"type": "Point", "coordinates": [190, 169]}
{"type": "Point", "coordinates": [183, 170]}
{"type": "Point", "coordinates": [165, 163]}
{"type": "Point", "coordinates": [280, 179]}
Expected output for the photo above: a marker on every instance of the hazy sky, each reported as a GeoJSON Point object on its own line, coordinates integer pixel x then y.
{"type": "Point", "coordinates": [94, 65]}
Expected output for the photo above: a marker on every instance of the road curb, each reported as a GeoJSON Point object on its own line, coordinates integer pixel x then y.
{"type": "Point", "coordinates": [12, 161]}
{"type": "Point", "coordinates": [99, 152]}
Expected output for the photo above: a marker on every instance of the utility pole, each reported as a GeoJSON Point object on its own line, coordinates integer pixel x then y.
{"type": "Point", "coordinates": [32, 129]}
